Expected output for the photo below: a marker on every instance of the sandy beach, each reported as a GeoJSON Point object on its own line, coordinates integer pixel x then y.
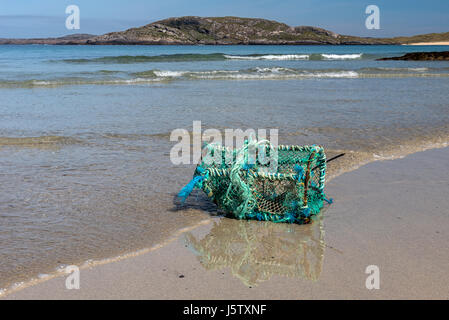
{"type": "Point", "coordinates": [442, 43]}
{"type": "Point", "coordinates": [393, 214]}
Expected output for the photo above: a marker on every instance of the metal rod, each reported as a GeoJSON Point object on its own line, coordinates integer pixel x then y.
{"type": "Point", "coordinates": [331, 159]}
{"type": "Point", "coordinates": [336, 157]}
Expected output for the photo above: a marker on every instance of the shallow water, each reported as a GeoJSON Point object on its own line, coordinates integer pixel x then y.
{"type": "Point", "coordinates": [84, 131]}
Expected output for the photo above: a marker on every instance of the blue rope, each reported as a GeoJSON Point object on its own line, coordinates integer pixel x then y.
{"type": "Point", "coordinates": [299, 172]}
{"type": "Point", "coordinates": [306, 212]}
{"type": "Point", "coordinates": [330, 200]}
{"type": "Point", "coordinates": [195, 182]}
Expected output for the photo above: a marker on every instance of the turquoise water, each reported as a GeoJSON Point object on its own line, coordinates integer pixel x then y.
{"type": "Point", "coordinates": [50, 66]}
{"type": "Point", "coordinates": [84, 131]}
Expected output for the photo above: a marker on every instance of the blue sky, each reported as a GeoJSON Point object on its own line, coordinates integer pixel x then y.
{"type": "Point", "coordinates": [42, 18]}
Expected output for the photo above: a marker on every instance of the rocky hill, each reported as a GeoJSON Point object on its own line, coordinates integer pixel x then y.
{"type": "Point", "coordinates": [222, 31]}
{"type": "Point", "coordinates": [225, 30]}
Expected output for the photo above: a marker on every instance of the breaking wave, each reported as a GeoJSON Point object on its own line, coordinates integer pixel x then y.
{"type": "Point", "coordinates": [257, 73]}
{"type": "Point", "coordinates": [342, 56]}
{"type": "Point", "coordinates": [315, 56]}
{"type": "Point", "coordinates": [127, 59]}
{"type": "Point", "coordinates": [261, 73]}
{"type": "Point", "coordinates": [270, 57]}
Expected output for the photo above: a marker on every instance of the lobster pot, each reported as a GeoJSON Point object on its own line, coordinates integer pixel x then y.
{"type": "Point", "coordinates": [292, 192]}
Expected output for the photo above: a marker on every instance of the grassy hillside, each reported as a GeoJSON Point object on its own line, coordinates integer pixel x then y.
{"type": "Point", "coordinates": [430, 37]}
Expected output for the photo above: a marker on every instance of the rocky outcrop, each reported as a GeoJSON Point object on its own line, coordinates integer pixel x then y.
{"type": "Point", "coordinates": [422, 56]}
{"type": "Point", "coordinates": [79, 38]}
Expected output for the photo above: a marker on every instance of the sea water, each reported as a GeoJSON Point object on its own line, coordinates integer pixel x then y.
{"type": "Point", "coordinates": [85, 170]}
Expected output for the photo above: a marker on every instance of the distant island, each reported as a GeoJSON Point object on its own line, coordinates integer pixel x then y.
{"type": "Point", "coordinates": [226, 31]}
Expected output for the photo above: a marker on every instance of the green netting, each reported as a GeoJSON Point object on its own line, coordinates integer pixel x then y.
{"type": "Point", "coordinates": [243, 184]}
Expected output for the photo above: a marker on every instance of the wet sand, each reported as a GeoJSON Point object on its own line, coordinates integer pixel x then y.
{"type": "Point", "coordinates": [393, 214]}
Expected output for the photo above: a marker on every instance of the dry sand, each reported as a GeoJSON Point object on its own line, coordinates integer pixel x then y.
{"type": "Point", "coordinates": [442, 43]}
{"type": "Point", "coordinates": [392, 214]}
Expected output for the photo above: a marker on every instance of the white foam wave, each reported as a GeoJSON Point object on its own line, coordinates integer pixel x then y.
{"type": "Point", "coordinates": [271, 57]}
{"type": "Point", "coordinates": [273, 69]}
{"type": "Point", "coordinates": [169, 73]}
{"type": "Point", "coordinates": [41, 83]}
{"type": "Point", "coordinates": [212, 72]}
{"type": "Point", "coordinates": [258, 73]}
{"type": "Point", "coordinates": [404, 69]}
{"type": "Point", "coordinates": [278, 73]}
{"type": "Point", "coordinates": [342, 56]}
{"type": "Point", "coordinates": [341, 74]}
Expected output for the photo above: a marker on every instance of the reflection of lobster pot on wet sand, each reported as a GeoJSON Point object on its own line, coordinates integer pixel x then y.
{"type": "Point", "coordinates": [255, 251]}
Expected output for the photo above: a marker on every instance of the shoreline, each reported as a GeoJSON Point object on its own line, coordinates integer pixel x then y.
{"type": "Point", "coordinates": [59, 271]}
{"type": "Point", "coordinates": [90, 265]}
{"type": "Point", "coordinates": [56, 42]}
{"type": "Point", "coordinates": [441, 43]}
